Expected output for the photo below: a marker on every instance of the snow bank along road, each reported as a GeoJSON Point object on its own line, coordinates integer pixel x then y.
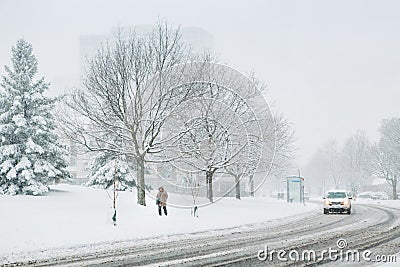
{"type": "Point", "coordinates": [370, 227]}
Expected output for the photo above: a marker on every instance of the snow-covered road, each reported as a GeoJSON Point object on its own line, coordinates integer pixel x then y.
{"type": "Point", "coordinates": [371, 227]}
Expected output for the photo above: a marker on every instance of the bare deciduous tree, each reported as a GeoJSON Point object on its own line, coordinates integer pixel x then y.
{"type": "Point", "coordinates": [217, 124]}
{"type": "Point", "coordinates": [355, 161]}
{"type": "Point", "coordinates": [127, 95]}
{"type": "Point", "coordinates": [386, 154]}
{"type": "Point", "coordinates": [275, 161]}
{"type": "Point", "coordinates": [194, 185]}
{"type": "Point", "coordinates": [208, 138]}
{"type": "Point", "coordinates": [332, 153]}
{"type": "Point", "coordinates": [325, 167]}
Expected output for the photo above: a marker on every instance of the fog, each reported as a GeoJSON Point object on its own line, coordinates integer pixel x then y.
{"type": "Point", "coordinates": [332, 67]}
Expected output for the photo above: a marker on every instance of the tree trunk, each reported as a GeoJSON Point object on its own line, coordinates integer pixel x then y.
{"type": "Point", "coordinates": [237, 185]}
{"type": "Point", "coordinates": [251, 185]}
{"type": "Point", "coordinates": [394, 188]}
{"type": "Point", "coordinates": [115, 186]}
{"type": "Point", "coordinates": [140, 185]}
{"type": "Point", "coordinates": [114, 218]}
{"type": "Point", "coordinates": [209, 176]}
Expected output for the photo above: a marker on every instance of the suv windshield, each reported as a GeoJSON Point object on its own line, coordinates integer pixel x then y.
{"type": "Point", "coordinates": [336, 195]}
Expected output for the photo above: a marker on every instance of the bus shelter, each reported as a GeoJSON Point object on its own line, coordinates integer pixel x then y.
{"type": "Point", "coordinates": [295, 189]}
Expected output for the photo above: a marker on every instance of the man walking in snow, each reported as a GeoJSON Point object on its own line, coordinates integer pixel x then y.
{"type": "Point", "coordinates": [162, 197]}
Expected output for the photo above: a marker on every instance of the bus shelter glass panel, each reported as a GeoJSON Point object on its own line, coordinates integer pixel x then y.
{"type": "Point", "coordinates": [295, 189]}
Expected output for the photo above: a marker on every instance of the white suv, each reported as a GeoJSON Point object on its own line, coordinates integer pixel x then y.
{"type": "Point", "coordinates": [337, 201]}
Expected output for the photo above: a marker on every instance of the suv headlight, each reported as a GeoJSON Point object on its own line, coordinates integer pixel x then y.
{"type": "Point", "coordinates": [345, 202]}
{"type": "Point", "coordinates": [327, 202]}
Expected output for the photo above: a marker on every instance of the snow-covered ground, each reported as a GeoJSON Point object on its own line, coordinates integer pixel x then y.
{"type": "Point", "coordinates": [74, 215]}
{"type": "Point", "coordinates": [387, 203]}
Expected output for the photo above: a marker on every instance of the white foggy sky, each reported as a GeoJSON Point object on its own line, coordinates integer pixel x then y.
{"type": "Point", "coordinates": [332, 66]}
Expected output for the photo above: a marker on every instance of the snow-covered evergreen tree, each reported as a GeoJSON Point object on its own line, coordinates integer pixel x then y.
{"type": "Point", "coordinates": [103, 169]}
{"type": "Point", "coordinates": [30, 153]}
